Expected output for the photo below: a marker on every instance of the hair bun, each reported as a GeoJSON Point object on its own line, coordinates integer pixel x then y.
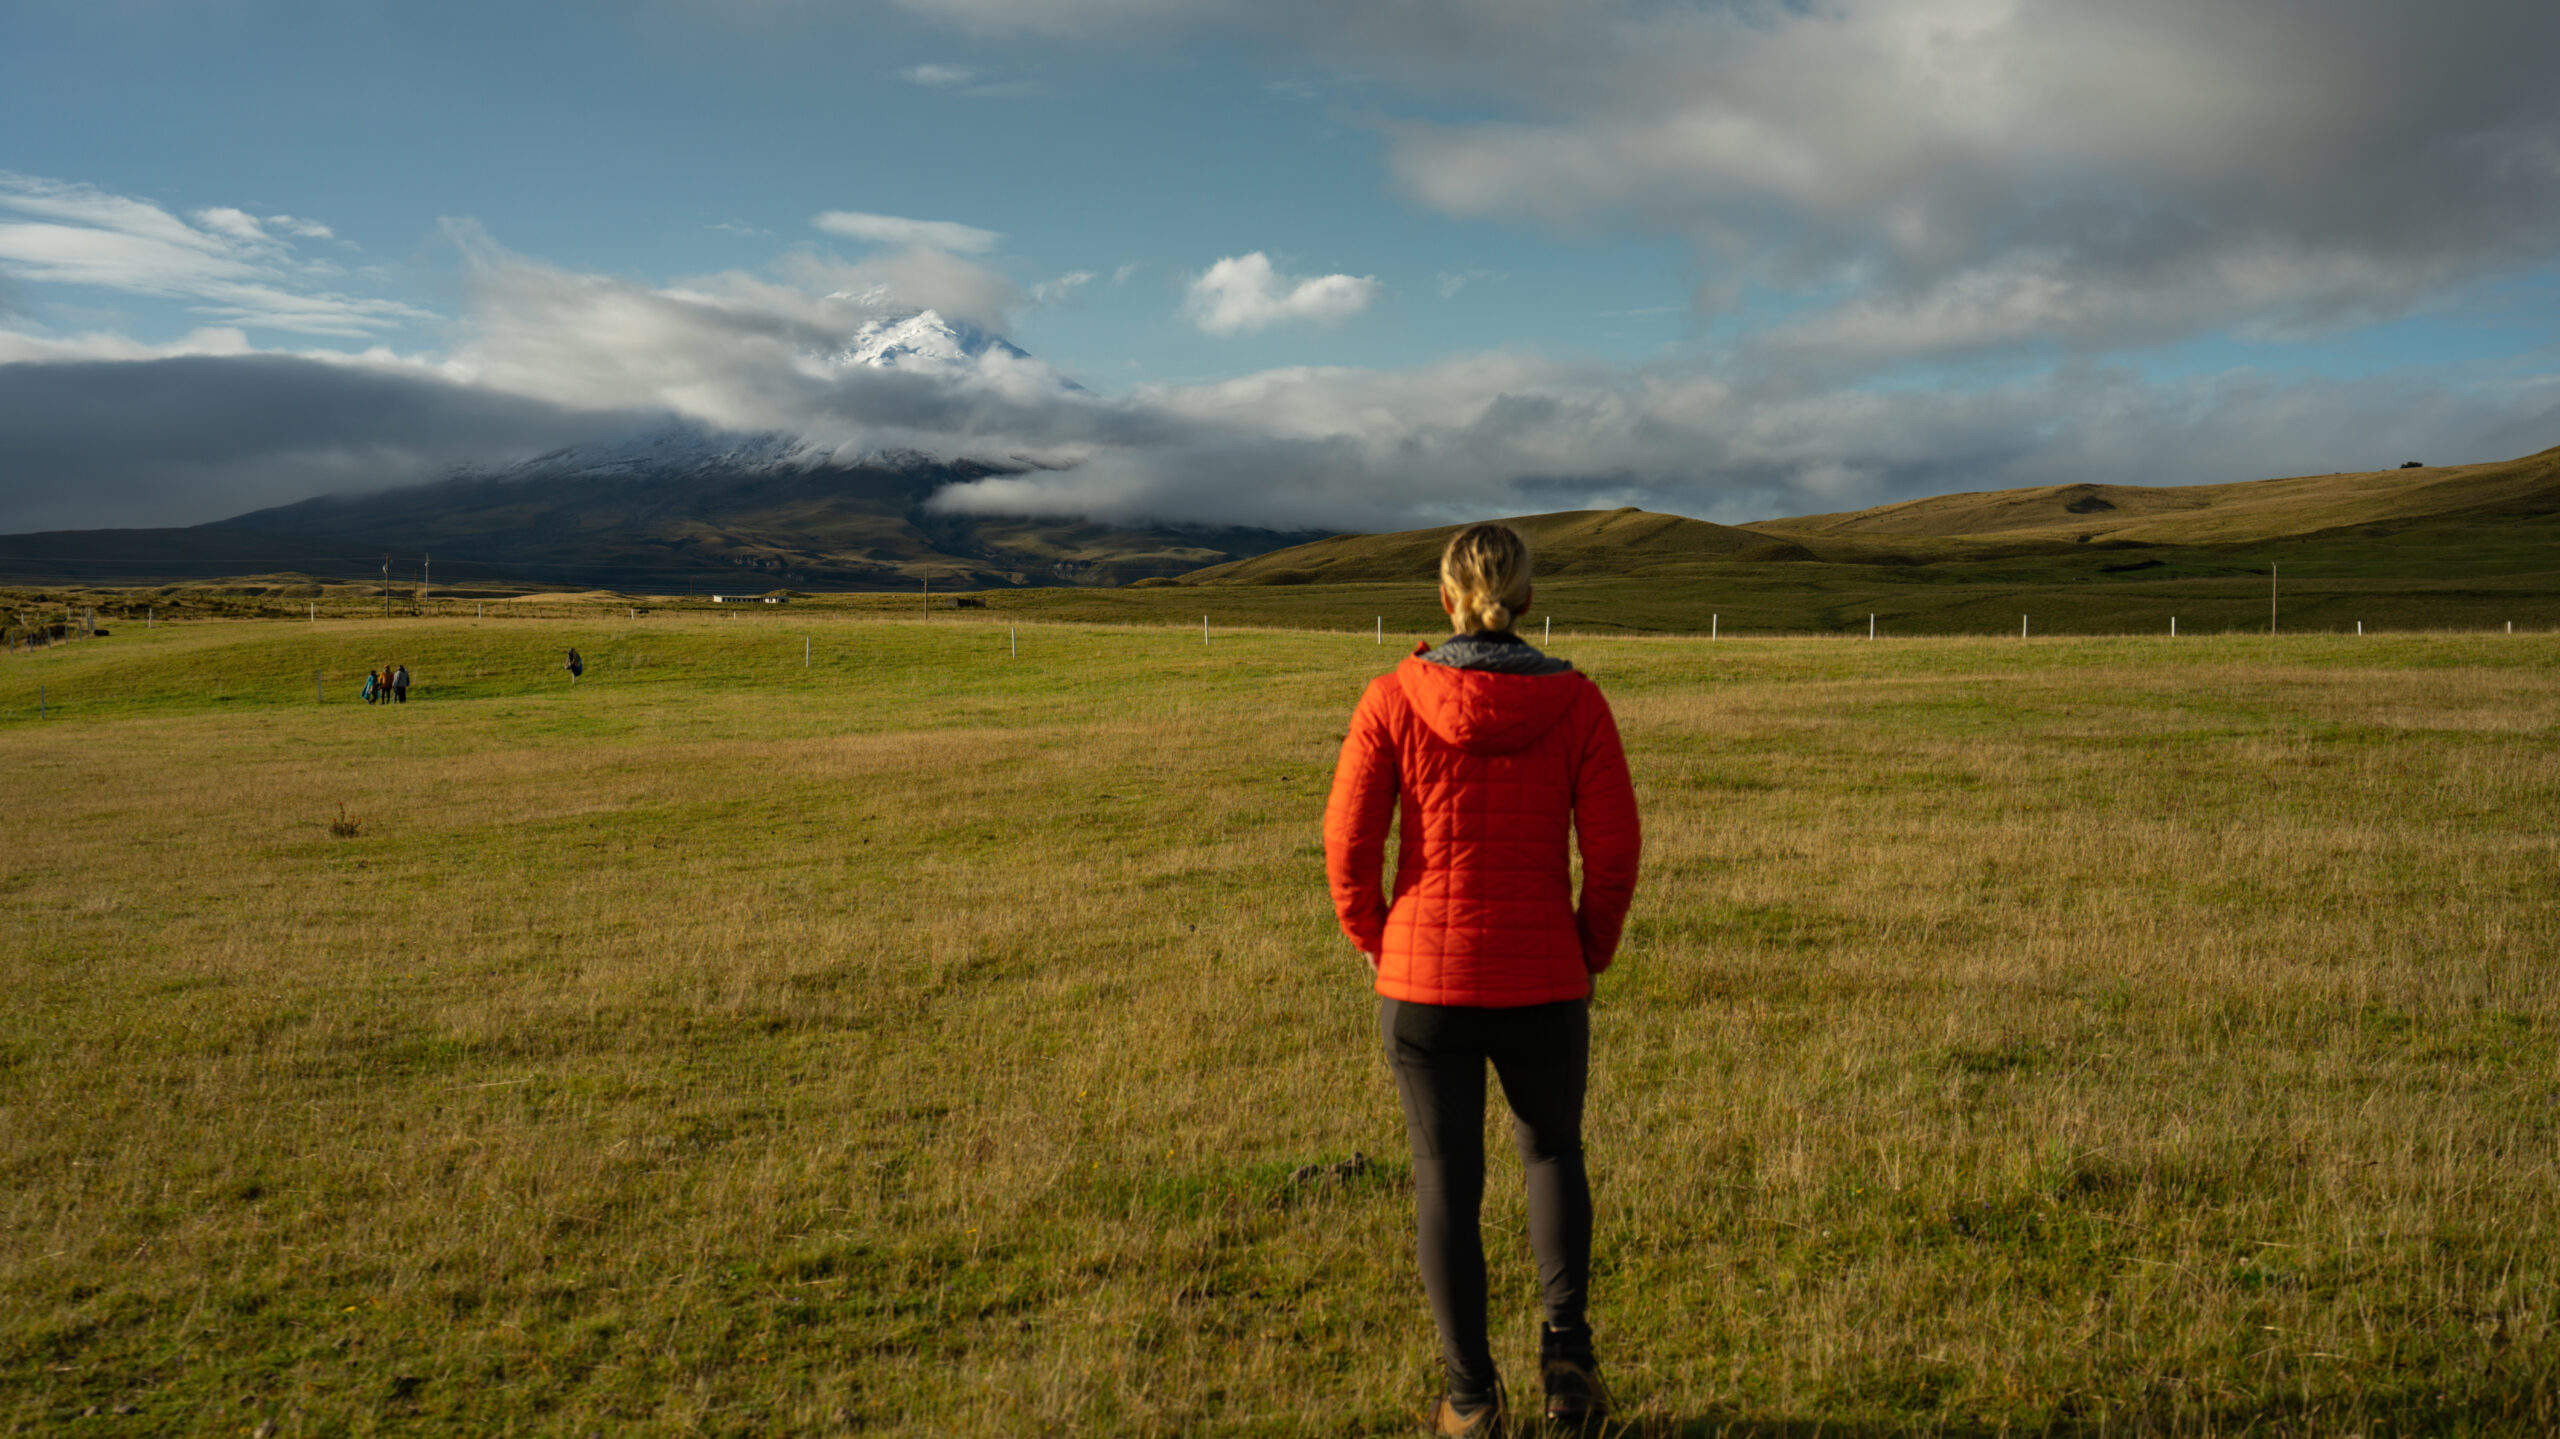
{"type": "Point", "coordinates": [1485, 573]}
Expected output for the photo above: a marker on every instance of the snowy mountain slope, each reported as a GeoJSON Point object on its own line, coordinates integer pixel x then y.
{"type": "Point", "coordinates": [925, 340]}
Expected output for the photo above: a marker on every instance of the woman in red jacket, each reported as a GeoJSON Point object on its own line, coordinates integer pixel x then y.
{"type": "Point", "coordinates": [1493, 757]}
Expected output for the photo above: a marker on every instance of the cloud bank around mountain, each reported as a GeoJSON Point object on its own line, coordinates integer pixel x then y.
{"type": "Point", "coordinates": [183, 439]}
{"type": "Point", "coordinates": [545, 356]}
{"type": "Point", "coordinates": [1952, 229]}
{"type": "Point", "coordinates": [110, 432]}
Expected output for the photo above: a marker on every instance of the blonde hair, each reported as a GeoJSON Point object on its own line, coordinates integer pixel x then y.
{"type": "Point", "coordinates": [1485, 573]}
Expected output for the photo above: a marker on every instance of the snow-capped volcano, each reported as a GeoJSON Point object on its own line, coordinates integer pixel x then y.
{"type": "Point", "coordinates": [926, 341]}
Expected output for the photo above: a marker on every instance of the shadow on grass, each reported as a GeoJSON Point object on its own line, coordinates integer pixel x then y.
{"type": "Point", "coordinates": [2519, 1403]}
{"type": "Point", "coordinates": [1746, 1426]}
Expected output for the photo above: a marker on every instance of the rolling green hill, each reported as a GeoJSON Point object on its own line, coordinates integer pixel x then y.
{"type": "Point", "coordinates": [2374, 504]}
{"type": "Point", "coordinates": [1570, 542]}
{"type": "Point", "coordinates": [2448, 547]}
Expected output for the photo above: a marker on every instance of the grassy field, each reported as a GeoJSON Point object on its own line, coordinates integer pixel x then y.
{"type": "Point", "coordinates": [2080, 1036]}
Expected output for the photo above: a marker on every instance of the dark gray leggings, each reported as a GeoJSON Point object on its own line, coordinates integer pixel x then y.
{"type": "Point", "coordinates": [1543, 1055]}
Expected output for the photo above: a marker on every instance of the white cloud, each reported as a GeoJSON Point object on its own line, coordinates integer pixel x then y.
{"type": "Point", "coordinates": [1050, 292]}
{"type": "Point", "coordinates": [1069, 17]}
{"type": "Point", "coordinates": [1971, 174]}
{"type": "Point", "coordinates": [17, 348]}
{"type": "Point", "coordinates": [896, 230]}
{"type": "Point", "coordinates": [1451, 282]}
{"type": "Point", "coordinates": [1243, 293]}
{"type": "Point", "coordinates": [226, 265]}
{"type": "Point", "coordinates": [238, 224]}
{"type": "Point", "coordinates": [965, 81]}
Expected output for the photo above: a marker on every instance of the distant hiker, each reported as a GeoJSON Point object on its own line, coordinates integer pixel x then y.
{"type": "Point", "coordinates": [1495, 754]}
{"type": "Point", "coordinates": [575, 667]}
{"type": "Point", "coordinates": [400, 685]}
{"type": "Point", "coordinates": [370, 694]}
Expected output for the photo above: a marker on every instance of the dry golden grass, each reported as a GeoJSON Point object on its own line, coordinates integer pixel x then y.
{"type": "Point", "coordinates": [2077, 1036]}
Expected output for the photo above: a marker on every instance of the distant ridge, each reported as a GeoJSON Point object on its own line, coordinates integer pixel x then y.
{"type": "Point", "coordinates": [2501, 517]}
{"type": "Point", "coordinates": [2250, 512]}
{"type": "Point", "coordinates": [1567, 542]}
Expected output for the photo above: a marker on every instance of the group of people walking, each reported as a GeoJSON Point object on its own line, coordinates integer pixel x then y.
{"type": "Point", "coordinates": [387, 685]}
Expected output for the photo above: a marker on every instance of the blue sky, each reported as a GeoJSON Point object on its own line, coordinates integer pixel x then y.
{"type": "Point", "coordinates": [1326, 263]}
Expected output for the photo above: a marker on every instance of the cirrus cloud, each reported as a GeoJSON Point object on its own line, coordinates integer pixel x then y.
{"type": "Point", "coordinates": [228, 264]}
{"type": "Point", "coordinates": [898, 230]}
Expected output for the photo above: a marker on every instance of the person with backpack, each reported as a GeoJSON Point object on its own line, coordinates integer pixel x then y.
{"type": "Point", "coordinates": [400, 685]}
{"type": "Point", "coordinates": [575, 666]}
{"type": "Point", "coordinates": [1495, 758]}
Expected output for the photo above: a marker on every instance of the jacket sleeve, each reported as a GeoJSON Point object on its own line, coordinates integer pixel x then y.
{"type": "Point", "coordinates": [1609, 835]}
{"type": "Point", "coordinates": [1356, 818]}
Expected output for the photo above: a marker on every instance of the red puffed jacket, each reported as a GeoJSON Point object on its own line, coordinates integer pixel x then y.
{"type": "Point", "coordinates": [1488, 773]}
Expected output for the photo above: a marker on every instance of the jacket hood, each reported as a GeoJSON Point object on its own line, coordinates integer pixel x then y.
{"type": "Point", "coordinates": [1486, 711]}
{"type": "Point", "coordinates": [1507, 653]}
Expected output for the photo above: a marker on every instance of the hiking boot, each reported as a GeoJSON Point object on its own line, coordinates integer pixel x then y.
{"type": "Point", "coordinates": [1485, 1420]}
{"type": "Point", "coordinates": [1572, 1377]}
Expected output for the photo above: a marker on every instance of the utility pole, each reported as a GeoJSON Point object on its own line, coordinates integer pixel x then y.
{"type": "Point", "coordinates": [2271, 601]}
{"type": "Point", "coordinates": [386, 587]}
{"type": "Point", "coordinates": [426, 579]}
